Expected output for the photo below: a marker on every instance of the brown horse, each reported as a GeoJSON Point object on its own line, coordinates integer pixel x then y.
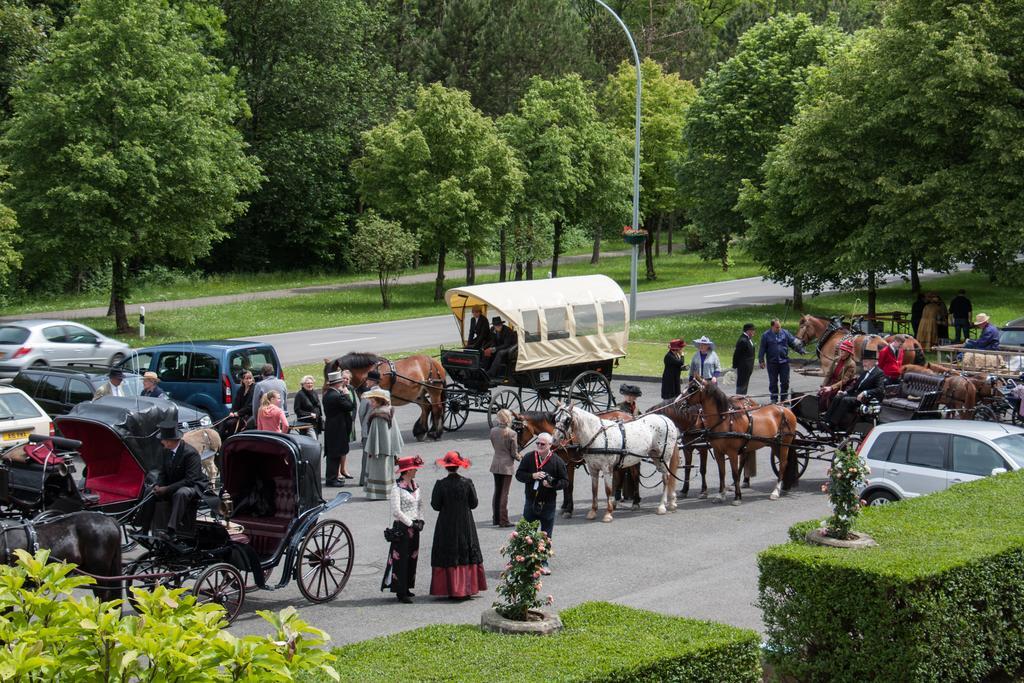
{"type": "Point", "coordinates": [731, 430]}
{"type": "Point", "coordinates": [416, 379]}
{"type": "Point", "coordinates": [528, 425]}
{"type": "Point", "coordinates": [687, 420]}
{"type": "Point", "coordinates": [958, 393]}
{"type": "Point", "coordinates": [829, 334]}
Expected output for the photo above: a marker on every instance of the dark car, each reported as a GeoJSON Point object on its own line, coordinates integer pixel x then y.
{"type": "Point", "coordinates": [59, 389]}
{"type": "Point", "coordinates": [205, 374]}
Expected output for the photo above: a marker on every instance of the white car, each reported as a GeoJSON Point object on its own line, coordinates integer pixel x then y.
{"type": "Point", "coordinates": [38, 343]}
{"type": "Point", "coordinates": [19, 417]}
{"type": "Point", "coordinates": [915, 457]}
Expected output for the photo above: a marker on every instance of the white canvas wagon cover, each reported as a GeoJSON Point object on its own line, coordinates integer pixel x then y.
{"type": "Point", "coordinates": [558, 321]}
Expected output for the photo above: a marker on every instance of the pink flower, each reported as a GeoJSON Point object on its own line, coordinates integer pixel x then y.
{"type": "Point", "coordinates": [536, 575]}
{"type": "Point", "coordinates": [529, 541]}
{"type": "Point", "coordinates": [519, 558]}
{"type": "Point", "coordinates": [538, 585]}
{"type": "Point", "coordinates": [551, 599]}
{"type": "Point", "coordinates": [540, 546]}
{"type": "Point", "coordinates": [508, 565]}
{"type": "Point", "coordinates": [514, 534]}
{"type": "Point", "coordinates": [824, 488]}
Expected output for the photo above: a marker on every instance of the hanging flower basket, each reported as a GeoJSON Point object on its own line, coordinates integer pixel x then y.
{"type": "Point", "coordinates": [633, 235]}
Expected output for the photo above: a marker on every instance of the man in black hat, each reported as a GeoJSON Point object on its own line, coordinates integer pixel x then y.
{"type": "Point", "coordinates": [869, 386]}
{"type": "Point", "coordinates": [180, 482]}
{"type": "Point", "coordinates": [743, 359]}
{"type": "Point", "coordinates": [503, 345]}
{"type": "Point", "coordinates": [112, 387]}
{"type": "Point", "coordinates": [626, 480]}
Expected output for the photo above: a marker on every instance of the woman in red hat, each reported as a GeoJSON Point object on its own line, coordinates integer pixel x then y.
{"type": "Point", "coordinates": [844, 371]}
{"type": "Point", "coordinates": [407, 509]}
{"type": "Point", "coordinates": [458, 564]}
{"type": "Point", "coordinates": [674, 363]}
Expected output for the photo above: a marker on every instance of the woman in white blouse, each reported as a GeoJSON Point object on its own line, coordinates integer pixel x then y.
{"type": "Point", "coordinates": [407, 510]}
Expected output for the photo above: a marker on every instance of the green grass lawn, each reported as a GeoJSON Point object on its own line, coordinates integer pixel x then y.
{"type": "Point", "coordinates": [350, 307]}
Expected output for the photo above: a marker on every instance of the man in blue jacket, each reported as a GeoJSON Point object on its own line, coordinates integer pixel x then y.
{"type": "Point", "coordinates": [989, 337]}
{"type": "Point", "coordinates": [773, 354]}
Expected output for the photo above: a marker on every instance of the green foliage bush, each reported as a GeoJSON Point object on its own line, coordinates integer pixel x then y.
{"type": "Point", "coordinates": [48, 634]}
{"type": "Point", "coordinates": [600, 642]}
{"type": "Point", "coordinates": [940, 599]}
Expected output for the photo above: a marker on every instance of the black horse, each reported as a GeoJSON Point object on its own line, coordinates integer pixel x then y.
{"type": "Point", "coordinates": [90, 540]}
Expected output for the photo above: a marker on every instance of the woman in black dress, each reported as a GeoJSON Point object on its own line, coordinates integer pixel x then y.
{"type": "Point", "coordinates": [674, 364]}
{"type": "Point", "coordinates": [307, 408]}
{"type": "Point", "coordinates": [407, 511]}
{"type": "Point", "coordinates": [241, 407]}
{"type": "Point", "coordinates": [458, 564]}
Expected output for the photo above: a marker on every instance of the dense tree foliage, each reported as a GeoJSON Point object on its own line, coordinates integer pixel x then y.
{"type": "Point", "coordinates": [440, 169]}
{"type": "Point", "coordinates": [736, 120]}
{"type": "Point", "coordinates": [909, 146]}
{"type": "Point", "coordinates": [122, 144]}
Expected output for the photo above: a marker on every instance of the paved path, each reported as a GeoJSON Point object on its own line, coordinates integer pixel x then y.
{"type": "Point", "coordinates": [133, 308]}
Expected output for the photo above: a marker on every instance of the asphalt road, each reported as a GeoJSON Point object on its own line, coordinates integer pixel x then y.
{"type": "Point", "coordinates": [398, 335]}
{"type": "Point", "coordinates": [699, 561]}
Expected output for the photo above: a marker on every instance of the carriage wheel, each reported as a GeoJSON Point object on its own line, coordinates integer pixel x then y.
{"type": "Point", "coordinates": [151, 564]}
{"type": "Point", "coordinates": [128, 543]}
{"type": "Point", "coordinates": [802, 455]}
{"type": "Point", "coordinates": [506, 398]}
{"type": "Point", "coordinates": [223, 585]}
{"type": "Point", "coordinates": [325, 561]}
{"type": "Point", "coordinates": [456, 409]}
{"type": "Point", "coordinates": [538, 400]}
{"type": "Point", "coordinates": [985, 413]}
{"type": "Point", "coordinates": [592, 390]}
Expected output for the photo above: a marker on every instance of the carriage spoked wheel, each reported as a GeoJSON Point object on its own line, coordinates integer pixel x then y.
{"type": "Point", "coordinates": [223, 585]}
{"type": "Point", "coordinates": [592, 390]}
{"type": "Point", "coordinates": [506, 398]}
{"type": "Point", "coordinates": [128, 543]}
{"type": "Point", "coordinates": [456, 409]}
{"type": "Point", "coordinates": [538, 400]}
{"type": "Point", "coordinates": [802, 455]}
{"type": "Point", "coordinates": [325, 561]}
{"type": "Point", "coordinates": [149, 563]}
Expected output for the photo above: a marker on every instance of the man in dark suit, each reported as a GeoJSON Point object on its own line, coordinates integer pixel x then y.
{"type": "Point", "coordinates": [869, 386]}
{"type": "Point", "coordinates": [503, 345]}
{"type": "Point", "coordinates": [181, 481]}
{"type": "Point", "coordinates": [479, 332]}
{"type": "Point", "coordinates": [743, 358]}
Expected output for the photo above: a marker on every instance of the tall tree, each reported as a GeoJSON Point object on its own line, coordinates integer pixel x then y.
{"type": "Point", "coordinates": [565, 151]}
{"type": "Point", "coordinates": [122, 144]}
{"type": "Point", "coordinates": [314, 78]}
{"type": "Point", "coordinates": [23, 33]}
{"type": "Point", "coordinates": [737, 117]}
{"type": "Point", "coordinates": [665, 100]}
{"type": "Point", "coordinates": [442, 169]}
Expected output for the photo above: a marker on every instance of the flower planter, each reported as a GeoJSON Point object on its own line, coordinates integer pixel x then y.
{"type": "Point", "coordinates": [541, 623]}
{"type": "Point", "coordinates": [637, 239]}
{"type": "Point", "coordinates": [856, 540]}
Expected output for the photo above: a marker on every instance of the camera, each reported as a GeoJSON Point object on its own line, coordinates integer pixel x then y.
{"type": "Point", "coordinates": [550, 480]}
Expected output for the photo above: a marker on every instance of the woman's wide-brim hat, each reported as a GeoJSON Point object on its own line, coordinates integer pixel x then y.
{"type": "Point", "coordinates": [980, 319]}
{"type": "Point", "coordinates": [378, 393]}
{"type": "Point", "coordinates": [411, 463]}
{"type": "Point", "coordinates": [630, 390]}
{"type": "Point", "coordinates": [676, 344]}
{"type": "Point", "coordinates": [704, 340]}
{"type": "Point", "coordinates": [453, 459]}
{"type": "Point", "coordinates": [151, 376]}
{"type": "Point", "coordinates": [334, 377]}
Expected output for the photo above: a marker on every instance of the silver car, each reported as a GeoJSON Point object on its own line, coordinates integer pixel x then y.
{"type": "Point", "coordinates": [912, 458]}
{"type": "Point", "coordinates": [27, 343]}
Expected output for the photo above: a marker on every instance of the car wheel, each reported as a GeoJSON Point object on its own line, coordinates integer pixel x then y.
{"type": "Point", "coordinates": [39, 364]}
{"type": "Point", "coordinates": [116, 360]}
{"type": "Point", "coordinates": [877, 498]}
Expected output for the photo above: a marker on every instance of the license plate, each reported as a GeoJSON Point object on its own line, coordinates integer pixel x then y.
{"type": "Point", "coordinates": [15, 436]}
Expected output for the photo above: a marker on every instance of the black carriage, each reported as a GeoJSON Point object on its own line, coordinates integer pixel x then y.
{"type": "Point", "coordinates": [570, 333]}
{"type": "Point", "coordinates": [274, 482]}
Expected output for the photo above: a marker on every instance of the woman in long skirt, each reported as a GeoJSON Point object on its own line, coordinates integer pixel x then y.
{"type": "Point", "coordinates": [407, 510]}
{"type": "Point", "coordinates": [383, 444]}
{"type": "Point", "coordinates": [455, 557]}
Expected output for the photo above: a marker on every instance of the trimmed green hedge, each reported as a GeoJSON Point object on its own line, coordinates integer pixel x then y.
{"type": "Point", "coordinates": [600, 642]}
{"type": "Point", "coordinates": [940, 599]}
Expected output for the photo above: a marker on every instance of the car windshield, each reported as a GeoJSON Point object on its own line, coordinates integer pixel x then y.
{"type": "Point", "coordinates": [1013, 446]}
{"type": "Point", "coordinates": [17, 407]}
{"type": "Point", "coordinates": [12, 334]}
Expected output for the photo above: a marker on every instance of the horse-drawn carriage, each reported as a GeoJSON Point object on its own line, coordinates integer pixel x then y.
{"type": "Point", "coordinates": [569, 334]}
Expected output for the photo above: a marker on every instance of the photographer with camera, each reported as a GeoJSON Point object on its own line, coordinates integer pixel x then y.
{"type": "Point", "coordinates": [543, 474]}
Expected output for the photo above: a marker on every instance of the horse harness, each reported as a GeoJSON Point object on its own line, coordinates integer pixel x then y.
{"type": "Point", "coordinates": [624, 450]}
{"type": "Point", "coordinates": [11, 527]}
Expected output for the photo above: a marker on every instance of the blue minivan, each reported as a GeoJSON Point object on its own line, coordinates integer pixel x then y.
{"type": "Point", "coordinates": [205, 374]}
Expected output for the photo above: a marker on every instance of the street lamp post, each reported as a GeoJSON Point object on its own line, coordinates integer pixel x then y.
{"type": "Point", "coordinates": [636, 165]}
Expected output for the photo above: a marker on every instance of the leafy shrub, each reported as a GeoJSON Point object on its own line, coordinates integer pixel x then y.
{"type": "Point", "coordinates": [47, 634]}
{"type": "Point", "coordinates": [846, 476]}
{"type": "Point", "coordinates": [940, 599]}
{"type": "Point", "coordinates": [600, 642]}
{"type": "Point", "coordinates": [528, 549]}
